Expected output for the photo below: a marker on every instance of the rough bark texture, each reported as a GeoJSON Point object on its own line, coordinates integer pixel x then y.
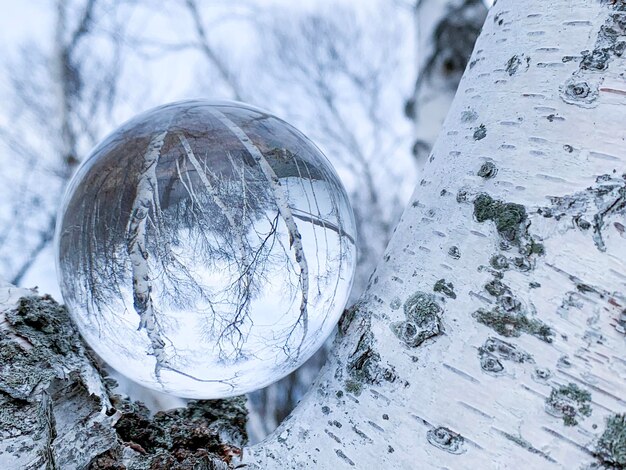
{"type": "Point", "coordinates": [57, 410]}
{"type": "Point", "coordinates": [492, 334]}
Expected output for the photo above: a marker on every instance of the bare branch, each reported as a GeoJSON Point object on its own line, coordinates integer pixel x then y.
{"type": "Point", "coordinates": [226, 75]}
{"type": "Point", "coordinates": [295, 239]}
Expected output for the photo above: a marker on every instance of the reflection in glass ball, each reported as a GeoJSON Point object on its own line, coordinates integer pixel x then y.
{"type": "Point", "coordinates": [205, 249]}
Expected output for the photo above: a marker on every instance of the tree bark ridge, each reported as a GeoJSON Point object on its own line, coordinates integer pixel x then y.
{"type": "Point", "coordinates": [58, 409]}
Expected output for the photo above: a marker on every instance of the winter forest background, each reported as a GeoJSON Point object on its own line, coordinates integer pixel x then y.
{"type": "Point", "coordinates": [346, 73]}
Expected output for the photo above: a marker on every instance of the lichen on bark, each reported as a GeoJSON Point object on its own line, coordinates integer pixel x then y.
{"type": "Point", "coordinates": [610, 449]}
{"type": "Point", "coordinates": [509, 317]}
{"type": "Point", "coordinates": [445, 288]}
{"type": "Point", "coordinates": [507, 216]}
{"type": "Point", "coordinates": [423, 319]}
{"type": "Point", "coordinates": [569, 402]}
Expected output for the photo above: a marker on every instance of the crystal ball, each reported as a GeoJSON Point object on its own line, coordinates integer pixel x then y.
{"type": "Point", "coordinates": [205, 249]}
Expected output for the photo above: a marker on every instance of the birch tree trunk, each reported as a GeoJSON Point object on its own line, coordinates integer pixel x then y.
{"type": "Point", "coordinates": [492, 333]}
{"type": "Point", "coordinates": [445, 34]}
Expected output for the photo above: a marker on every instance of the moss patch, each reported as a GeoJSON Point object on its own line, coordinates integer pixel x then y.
{"type": "Point", "coordinates": [611, 447]}
{"type": "Point", "coordinates": [191, 431]}
{"type": "Point", "coordinates": [507, 216]}
{"type": "Point", "coordinates": [421, 307]}
{"type": "Point", "coordinates": [569, 402]}
{"type": "Point", "coordinates": [446, 288]}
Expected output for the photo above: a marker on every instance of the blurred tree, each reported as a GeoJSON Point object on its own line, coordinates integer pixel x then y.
{"type": "Point", "coordinates": [446, 33]}
{"type": "Point", "coordinates": [58, 99]}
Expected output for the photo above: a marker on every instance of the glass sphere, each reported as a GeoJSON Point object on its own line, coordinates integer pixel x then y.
{"type": "Point", "coordinates": [205, 249]}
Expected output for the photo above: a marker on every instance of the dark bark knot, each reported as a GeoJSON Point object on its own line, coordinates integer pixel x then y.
{"type": "Point", "coordinates": [480, 132]}
{"type": "Point", "coordinates": [514, 63]}
{"type": "Point", "coordinates": [365, 366]}
{"type": "Point", "coordinates": [446, 439]}
{"type": "Point", "coordinates": [608, 45]}
{"type": "Point", "coordinates": [454, 252]}
{"type": "Point", "coordinates": [576, 91]}
{"type": "Point", "coordinates": [488, 170]}
{"type": "Point", "coordinates": [494, 351]}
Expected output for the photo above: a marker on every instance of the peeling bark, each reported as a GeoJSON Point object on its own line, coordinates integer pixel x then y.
{"type": "Point", "coordinates": [58, 411]}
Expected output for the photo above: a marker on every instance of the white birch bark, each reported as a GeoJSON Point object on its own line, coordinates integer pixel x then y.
{"type": "Point", "coordinates": [146, 202]}
{"type": "Point", "coordinates": [445, 36]}
{"type": "Point", "coordinates": [57, 410]}
{"type": "Point", "coordinates": [492, 333]}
